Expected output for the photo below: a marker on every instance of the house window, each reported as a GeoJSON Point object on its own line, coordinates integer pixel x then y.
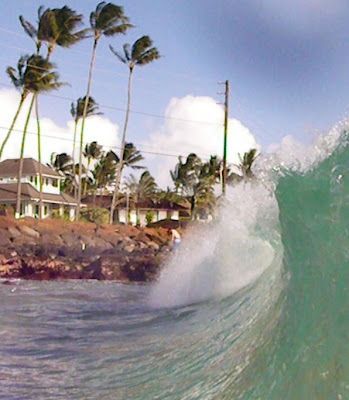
{"type": "Point", "coordinates": [36, 210]}
{"type": "Point", "coordinates": [45, 210]}
{"type": "Point", "coordinates": [55, 182]}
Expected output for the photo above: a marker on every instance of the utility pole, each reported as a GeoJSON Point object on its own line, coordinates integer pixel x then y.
{"type": "Point", "coordinates": [225, 142]}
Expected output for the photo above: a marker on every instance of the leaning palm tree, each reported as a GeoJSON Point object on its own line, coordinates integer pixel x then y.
{"type": "Point", "coordinates": [107, 20]}
{"type": "Point", "coordinates": [77, 111]}
{"type": "Point", "coordinates": [19, 79]}
{"type": "Point", "coordinates": [39, 77]}
{"type": "Point", "coordinates": [93, 151]}
{"type": "Point", "coordinates": [141, 53]}
{"type": "Point", "coordinates": [47, 80]}
{"type": "Point", "coordinates": [56, 27]}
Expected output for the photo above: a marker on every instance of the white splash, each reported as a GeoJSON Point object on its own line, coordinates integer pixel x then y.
{"type": "Point", "coordinates": [218, 259]}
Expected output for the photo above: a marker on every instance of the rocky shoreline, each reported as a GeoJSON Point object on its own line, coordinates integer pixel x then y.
{"type": "Point", "coordinates": [54, 249]}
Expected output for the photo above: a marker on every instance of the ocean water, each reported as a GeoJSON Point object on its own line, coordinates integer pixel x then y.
{"type": "Point", "coordinates": [255, 306]}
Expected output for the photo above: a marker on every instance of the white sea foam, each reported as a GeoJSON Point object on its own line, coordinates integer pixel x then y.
{"type": "Point", "coordinates": [218, 259]}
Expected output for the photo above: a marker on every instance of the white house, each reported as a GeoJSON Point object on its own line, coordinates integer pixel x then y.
{"type": "Point", "coordinates": [140, 213]}
{"type": "Point", "coordinates": [149, 210]}
{"type": "Point", "coordinates": [53, 198]}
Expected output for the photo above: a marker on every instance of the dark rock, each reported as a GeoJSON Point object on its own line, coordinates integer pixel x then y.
{"type": "Point", "coordinates": [94, 270]}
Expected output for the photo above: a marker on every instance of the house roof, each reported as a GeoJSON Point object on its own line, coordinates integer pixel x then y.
{"type": "Point", "coordinates": [9, 168]}
{"type": "Point", "coordinates": [105, 201]}
{"type": "Point", "coordinates": [8, 193]}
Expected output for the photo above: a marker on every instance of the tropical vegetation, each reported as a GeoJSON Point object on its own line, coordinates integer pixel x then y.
{"type": "Point", "coordinates": [98, 170]}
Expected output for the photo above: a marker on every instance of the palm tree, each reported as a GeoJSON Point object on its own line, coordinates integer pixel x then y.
{"type": "Point", "coordinates": [47, 80]}
{"type": "Point", "coordinates": [131, 157]}
{"type": "Point", "coordinates": [104, 171]}
{"type": "Point", "coordinates": [62, 163]}
{"type": "Point", "coordinates": [56, 27]}
{"type": "Point", "coordinates": [39, 76]}
{"type": "Point", "coordinates": [195, 179]}
{"type": "Point", "coordinates": [19, 78]}
{"type": "Point", "coordinates": [77, 111]}
{"type": "Point", "coordinates": [246, 163]}
{"type": "Point", "coordinates": [93, 151]}
{"type": "Point", "coordinates": [141, 53]}
{"type": "Point", "coordinates": [107, 20]}
{"type": "Point", "coordinates": [141, 189]}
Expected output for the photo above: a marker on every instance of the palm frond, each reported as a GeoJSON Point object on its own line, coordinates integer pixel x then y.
{"type": "Point", "coordinates": [28, 28]}
{"type": "Point", "coordinates": [148, 56]}
{"type": "Point", "coordinates": [120, 56]}
{"type": "Point", "coordinates": [140, 45]}
{"type": "Point", "coordinates": [122, 28]}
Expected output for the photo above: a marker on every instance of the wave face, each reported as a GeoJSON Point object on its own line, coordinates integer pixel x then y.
{"type": "Point", "coordinates": [253, 307]}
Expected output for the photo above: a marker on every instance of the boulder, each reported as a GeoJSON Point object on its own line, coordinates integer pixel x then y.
{"type": "Point", "coordinates": [29, 231]}
{"type": "Point", "coordinates": [14, 232]}
{"type": "Point", "coordinates": [153, 245]}
{"type": "Point", "coordinates": [94, 270]}
{"type": "Point", "coordinates": [129, 247]}
{"type": "Point", "coordinates": [51, 239]}
{"type": "Point", "coordinates": [4, 238]}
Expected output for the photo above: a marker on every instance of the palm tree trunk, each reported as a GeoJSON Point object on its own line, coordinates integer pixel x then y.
{"type": "Point", "coordinates": [39, 155]}
{"type": "Point", "coordinates": [20, 168]}
{"type": "Point", "coordinates": [192, 206]}
{"type": "Point", "coordinates": [87, 172]}
{"type": "Point", "coordinates": [120, 165]}
{"type": "Point", "coordinates": [95, 192]}
{"type": "Point", "coordinates": [7, 137]}
{"type": "Point", "coordinates": [73, 157]}
{"type": "Point", "coordinates": [87, 98]}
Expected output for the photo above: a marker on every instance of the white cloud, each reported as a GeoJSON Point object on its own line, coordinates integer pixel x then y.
{"type": "Point", "coordinates": [55, 138]}
{"type": "Point", "coordinates": [203, 136]}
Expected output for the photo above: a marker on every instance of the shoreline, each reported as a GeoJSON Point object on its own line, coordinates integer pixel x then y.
{"type": "Point", "coordinates": [58, 250]}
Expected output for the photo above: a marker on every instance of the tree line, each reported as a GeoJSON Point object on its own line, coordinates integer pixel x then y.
{"type": "Point", "coordinates": [195, 181]}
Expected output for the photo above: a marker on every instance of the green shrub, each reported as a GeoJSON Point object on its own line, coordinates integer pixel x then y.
{"type": "Point", "coordinates": [149, 217]}
{"type": "Point", "coordinates": [97, 215]}
{"type": "Point", "coordinates": [55, 214]}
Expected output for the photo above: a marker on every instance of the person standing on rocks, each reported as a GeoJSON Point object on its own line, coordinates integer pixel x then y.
{"type": "Point", "coordinates": [176, 238]}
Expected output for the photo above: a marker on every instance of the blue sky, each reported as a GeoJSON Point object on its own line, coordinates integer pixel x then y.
{"type": "Point", "coordinates": [287, 62]}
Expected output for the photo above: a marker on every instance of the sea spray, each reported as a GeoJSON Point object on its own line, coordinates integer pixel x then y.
{"type": "Point", "coordinates": [219, 258]}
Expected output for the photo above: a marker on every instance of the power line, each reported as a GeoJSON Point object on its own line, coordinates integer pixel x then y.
{"type": "Point", "coordinates": [158, 153]}
{"type": "Point", "coordinates": [131, 111]}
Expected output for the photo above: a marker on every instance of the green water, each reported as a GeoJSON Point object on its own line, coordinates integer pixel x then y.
{"type": "Point", "coordinates": [308, 355]}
